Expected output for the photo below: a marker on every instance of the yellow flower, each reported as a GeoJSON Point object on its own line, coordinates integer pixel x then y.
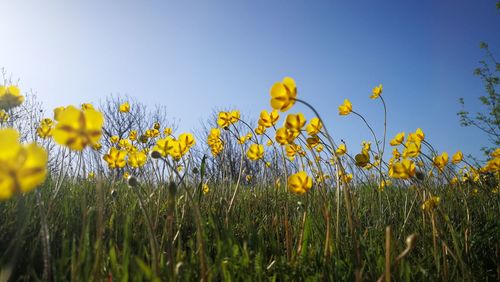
{"type": "Point", "coordinates": [97, 146]}
{"type": "Point", "coordinates": [156, 125]}
{"type": "Point", "coordinates": [22, 167]}
{"type": "Point", "coordinates": [372, 165]}
{"type": "Point", "coordinates": [224, 119]}
{"type": "Point", "coordinates": [492, 165]}
{"type": "Point", "coordinates": [242, 140]}
{"type": "Point", "coordinates": [377, 90]}
{"type": "Point", "coordinates": [412, 150]}
{"type": "Point", "coordinates": [292, 149]}
{"type": "Point", "coordinates": [431, 203]}
{"type": "Point", "coordinates": [398, 139]}
{"type": "Point", "coordinates": [299, 183]}
{"type": "Point", "coordinates": [124, 144]}
{"type": "Point", "coordinates": [152, 133]}
{"type": "Point", "coordinates": [87, 106]}
{"type": "Point", "coordinates": [78, 128]}
{"type": "Point", "coordinates": [57, 112]}
{"type": "Point", "coordinates": [457, 157]}
{"type": "Point", "coordinates": [4, 116]}
{"type": "Point", "coordinates": [131, 148]}
{"type": "Point", "coordinates": [248, 178]}
{"type": "Point", "coordinates": [167, 131]}
{"type": "Point", "coordinates": [283, 94]}
{"type": "Point", "coordinates": [91, 175]}
{"type": "Point", "coordinates": [345, 108]}
{"type": "Point", "coordinates": [286, 136]}
{"type": "Point", "coordinates": [205, 188]}
{"type": "Point", "coordinates": [403, 170]}
{"type": "Point", "coordinates": [165, 146]}
{"type": "Point", "coordinates": [213, 136]}
{"type": "Point", "coordinates": [396, 154]}
{"type": "Point", "coordinates": [312, 141]}
{"type": "Point", "coordinates": [186, 141]}
{"type": "Point", "coordinates": [10, 97]}
{"type": "Point", "coordinates": [47, 122]}
{"type": "Point", "coordinates": [132, 135]}
{"type": "Point", "coordinates": [115, 158]}
{"type": "Point", "coordinates": [214, 141]}
{"type": "Point", "coordinates": [126, 175]}
{"type": "Point", "coordinates": [420, 134]}
{"type": "Point", "coordinates": [366, 147]}
{"type": "Point", "coordinates": [496, 153]}
{"type": "Point", "coordinates": [269, 142]}
{"type": "Point", "coordinates": [441, 161]}
{"type": "Point", "coordinates": [341, 149]}
{"type": "Point", "coordinates": [45, 128]}
{"type": "Point", "coordinates": [295, 121]}
{"type": "Point", "coordinates": [155, 133]}
{"type": "Point", "coordinates": [137, 159]}
{"type": "Point", "coordinates": [124, 108]}
{"type": "Point", "coordinates": [235, 116]}
{"type": "Point", "coordinates": [44, 131]}
{"type": "Point", "coordinates": [416, 137]}
{"type": "Point", "coordinates": [114, 139]}
{"type": "Point", "coordinates": [319, 148]}
{"type": "Point", "coordinates": [255, 152]}
{"type": "Point", "coordinates": [268, 120]}
{"type": "Point", "coordinates": [346, 178]}
{"type": "Point", "coordinates": [314, 126]}
{"type": "Point", "coordinates": [384, 184]}
{"type": "Point", "coordinates": [321, 177]}
{"type": "Point", "coordinates": [260, 130]}
{"type": "Point", "coordinates": [217, 148]}
{"type": "Point", "coordinates": [362, 159]}
{"type": "Point", "coordinates": [178, 150]}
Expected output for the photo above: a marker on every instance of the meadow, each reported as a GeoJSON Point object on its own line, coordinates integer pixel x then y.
{"type": "Point", "coordinates": [112, 192]}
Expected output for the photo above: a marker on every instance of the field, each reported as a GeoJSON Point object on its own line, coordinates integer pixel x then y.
{"type": "Point", "coordinates": [113, 193]}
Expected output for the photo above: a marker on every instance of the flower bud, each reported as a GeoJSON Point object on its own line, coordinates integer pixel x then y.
{"type": "Point", "coordinates": [155, 155]}
{"type": "Point", "coordinates": [420, 175]}
{"type": "Point", "coordinates": [410, 241]}
{"type": "Point", "coordinates": [132, 181]}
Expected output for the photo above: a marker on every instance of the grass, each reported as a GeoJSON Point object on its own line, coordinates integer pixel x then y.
{"type": "Point", "coordinates": [99, 231]}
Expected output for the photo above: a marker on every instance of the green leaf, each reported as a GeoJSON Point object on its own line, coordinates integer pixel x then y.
{"type": "Point", "coordinates": [307, 236]}
{"type": "Point", "coordinates": [146, 270]}
{"type": "Point", "coordinates": [114, 262]}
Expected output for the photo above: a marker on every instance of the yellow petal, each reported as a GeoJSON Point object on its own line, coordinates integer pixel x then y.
{"type": "Point", "coordinates": [9, 143]}
{"type": "Point", "coordinates": [34, 168]}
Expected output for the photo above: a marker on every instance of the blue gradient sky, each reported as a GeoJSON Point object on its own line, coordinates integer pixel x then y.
{"type": "Point", "coordinates": [196, 56]}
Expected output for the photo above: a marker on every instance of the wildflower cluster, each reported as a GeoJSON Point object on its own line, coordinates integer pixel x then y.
{"type": "Point", "coordinates": [284, 150]}
{"type": "Point", "coordinates": [10, 97]}
{"type": "Point", "coordinates": [298, 150]}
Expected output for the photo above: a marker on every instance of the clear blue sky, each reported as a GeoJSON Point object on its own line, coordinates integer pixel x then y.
{"type": "Point", "coordinates": [196, 56]}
